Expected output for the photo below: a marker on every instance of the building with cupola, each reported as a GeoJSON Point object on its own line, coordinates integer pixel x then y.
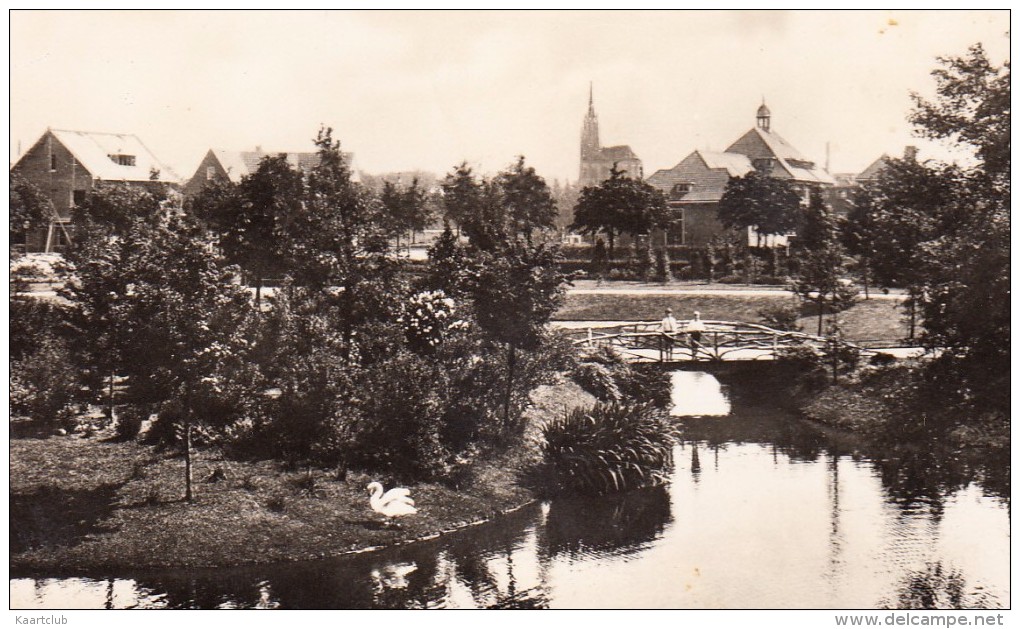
{"type": "Point", "coordinates": [694, 187]}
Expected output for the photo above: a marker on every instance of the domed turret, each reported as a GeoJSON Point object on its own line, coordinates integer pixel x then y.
{"type": "Point", "coordinates": [764, 117]}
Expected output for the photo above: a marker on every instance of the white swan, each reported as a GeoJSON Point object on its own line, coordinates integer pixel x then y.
{"type": "Point", "coordinates": [394, 503]}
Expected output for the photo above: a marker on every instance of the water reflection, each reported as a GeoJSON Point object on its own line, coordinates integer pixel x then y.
{"type": "Point", "coordinates": [764, 510]}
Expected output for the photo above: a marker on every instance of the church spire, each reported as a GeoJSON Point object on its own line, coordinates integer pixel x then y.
{"type": "Point", "coordinates": [590, 130]}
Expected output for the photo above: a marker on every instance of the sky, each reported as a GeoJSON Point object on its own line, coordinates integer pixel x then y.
{"type": "Point", "coordinates": [428, 90]}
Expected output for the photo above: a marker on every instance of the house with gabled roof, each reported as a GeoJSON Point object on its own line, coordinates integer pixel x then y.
{"type": "Point", "coordinates": [694, 187]}
{"type": "Point", "coordinates": [846, 183]}
{"type": "Point", "coordinates": [66, 164]}
{"type": "Point", "coordinates": [225, 165]}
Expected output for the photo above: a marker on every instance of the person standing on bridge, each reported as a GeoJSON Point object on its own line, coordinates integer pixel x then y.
{"type": "Point", "coordinates": [694, 328]}
{"type": "Point", "coordinates": [669, 329]}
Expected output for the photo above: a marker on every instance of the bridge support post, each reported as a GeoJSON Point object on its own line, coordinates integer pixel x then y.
{"type": "Point", "coordinates": [589, 338]}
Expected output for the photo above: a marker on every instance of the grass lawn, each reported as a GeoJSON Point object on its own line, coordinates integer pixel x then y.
{"type": "Point", "coordinates": [91, 504]}
{"type": "Point", "coordinates": [872, 319]}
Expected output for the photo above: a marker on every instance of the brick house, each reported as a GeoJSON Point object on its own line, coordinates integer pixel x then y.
{"type": "Point", "coordinates": [65, 165]}
{"type": "Point", "coordinates": [224, 165]}
{"type": "Point", "coordinates": [695, 186]}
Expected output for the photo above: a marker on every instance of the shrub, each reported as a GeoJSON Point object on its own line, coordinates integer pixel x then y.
{"type": "Point", "coordinates": [32, 322]}
{"type": "Point", "coordinates": [611, 447]}
{"type": "Point", "coordinates": [781, 316]}
{"type": "Point", "coordinates": [803, 358]}
{"type": "Point", "coordinates": [129, 421]}
{"type": "Point", "coordinates": [647, 384]}
{"type": "Point", "coordinates": [597, 379]}
{"type": "Point", "coordinates": [403, 403]}
{"type": "Point", "coordinates": [43, 385]}
{"type": "Point", "coordinates": [609, 377]}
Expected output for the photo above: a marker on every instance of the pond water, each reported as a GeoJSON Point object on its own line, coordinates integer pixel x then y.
{"type": "Point", "coordinates": [764, 511]}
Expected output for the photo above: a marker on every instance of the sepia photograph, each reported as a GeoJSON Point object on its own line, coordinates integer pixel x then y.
{"type": "Point", "coordinates": [470, 309]}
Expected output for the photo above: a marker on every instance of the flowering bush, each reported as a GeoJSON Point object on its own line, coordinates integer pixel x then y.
{"type": "Point", "coordinates": [428, 319]}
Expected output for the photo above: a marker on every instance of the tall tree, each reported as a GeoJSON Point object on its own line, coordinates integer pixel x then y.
{"type": "Point", "coordinates": [516, 291]}
{"type": "Point", "coordinates": [768, 204]}
{"type": "Point", "coordinates": [526, 197]}
{"type": "Point", "coordinates": [407, 208]}
{"type": "Point", "coordinates": [965, 301]}
{"type": "Point", "coordinates": [971, 108]}
{"type": "Point", "coordinates": [340, 244]}
{"type": "Point", "coordinates": [156, 304]}
{"type": "Point", "coordinates": [271, 200]}
{"type": "Point", "coordinates": [620, 205]}
{"type": "Point", "coordinates": [908, 205]}
{"type": "Point", "coordinates": [462, 194]}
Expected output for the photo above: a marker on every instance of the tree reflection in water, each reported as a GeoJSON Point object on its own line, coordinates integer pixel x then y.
{"type": "Point", "coordinates": [936, 587]}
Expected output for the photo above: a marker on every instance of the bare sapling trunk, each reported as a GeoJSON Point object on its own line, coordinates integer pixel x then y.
{"type": "Point", "coordinates": [188, 495]}
{"type": "Point", "coordinates": [109, 398]}
{"type": "Point", "coordinates": [511, 363]}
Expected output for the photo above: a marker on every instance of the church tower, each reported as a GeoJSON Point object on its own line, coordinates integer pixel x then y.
{"type": "Point", "coordinates": [590, 147]}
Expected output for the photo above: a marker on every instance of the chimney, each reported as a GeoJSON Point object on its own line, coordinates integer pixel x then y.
{"type": "Point", "coordinates": [910, 153]}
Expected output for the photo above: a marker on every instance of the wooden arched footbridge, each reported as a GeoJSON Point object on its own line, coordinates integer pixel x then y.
{"type": "Point", "coordinates": [643, 341]}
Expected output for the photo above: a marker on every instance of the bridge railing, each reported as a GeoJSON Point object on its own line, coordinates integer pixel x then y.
{"type": "Point", "coordinates": [720, 340]}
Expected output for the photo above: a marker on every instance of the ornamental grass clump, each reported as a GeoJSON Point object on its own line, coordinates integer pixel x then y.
{"type": "Point", "coordinates": [608, 448]}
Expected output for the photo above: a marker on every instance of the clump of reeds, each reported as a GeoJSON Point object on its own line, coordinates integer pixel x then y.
{"type": "Point", "coordinates": [608, 448]}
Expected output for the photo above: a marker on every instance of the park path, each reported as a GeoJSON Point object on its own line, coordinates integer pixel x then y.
{"type": "Point", "coordinates": [590, 287]}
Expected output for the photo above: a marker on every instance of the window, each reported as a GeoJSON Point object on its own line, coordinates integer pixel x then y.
{"type": "Point", "coordinates": [210, 173]}
{"type": "Point", "coordinates": [53, 163]}
{"type": "Point", "coordinates": [763, 165]}
{"type": "Point", "coordinates": [680, 189]}
{"type": "Point", "coordinates": [123, 160]}
{"type": "Point", "coordinates": [77, 197]}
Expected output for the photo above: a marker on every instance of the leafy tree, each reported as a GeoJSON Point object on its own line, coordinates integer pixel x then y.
{"type": "Point", "coordinates": [768, 204]}
{"type": "Point", "coordinates": [448, 264]}
{"type": "Point", "coordinates": [258, 235]}
{"type": "Point", "coordinates": [516, 291]}
{"type": "Point", "coordinates": [965, 296]}
{"type": "Point", "coordinates": [115, 207]}
{"type": "Point", "coordinates": [908, 205]}
{"type": "Point", "coordinates": [818, 280]}
{"type": "Point", "coordinates": [29, 208]}
{"type": "Point", "coordinates": [462, 195]}
{"type": "Point", "coordinates": [156, 305]}
{"type": "Point", "coordinates": [340, 244]}
{"type": "Point", "coordinates": [252, 219]}
{"type": "Point", "coordinates": [620, 205]}
{"type": "Point", "coordinates": [565, 197]}
{"type": "Point", "coordinates": [818, 226]}
{"type": "Point", "coordinates": [972, 108]}
{"type": "Point", "coordinates": [407, 208]}
{"type": "Point", "coordinates": [526, 198]}
{"type": "Point", "coordinates": [821, 267]}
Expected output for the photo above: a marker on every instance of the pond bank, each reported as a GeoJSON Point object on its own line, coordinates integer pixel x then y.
{"type": "Point", "coordinates": [93, 505]}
